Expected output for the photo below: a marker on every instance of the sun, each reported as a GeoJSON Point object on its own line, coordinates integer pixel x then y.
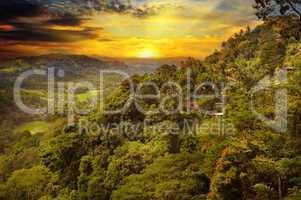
{"type": "Point", "coordinates": [148, 53]}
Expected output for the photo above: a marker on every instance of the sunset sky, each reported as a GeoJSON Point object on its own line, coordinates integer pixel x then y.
{"type": "Point", "coordinates": [120, 28]}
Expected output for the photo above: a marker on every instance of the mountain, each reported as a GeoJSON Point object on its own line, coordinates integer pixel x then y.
{"type": "Point", "coordinates": [232, 153]}
{"type": "Point", "coordinates": [201, 152]}
{"type": "Point", "coordinates": [76, 68]}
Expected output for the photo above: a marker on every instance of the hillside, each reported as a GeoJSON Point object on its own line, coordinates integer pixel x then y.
{"type": "Point", "coordinates": [76, 68]}
{"type": "Point", "coordinates": [147, 152]}
{"type": "Point", "coordinates": [71, 64]}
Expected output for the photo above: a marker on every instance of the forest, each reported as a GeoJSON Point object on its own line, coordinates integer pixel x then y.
{"type": "Point", "coordinates": [227, 153]}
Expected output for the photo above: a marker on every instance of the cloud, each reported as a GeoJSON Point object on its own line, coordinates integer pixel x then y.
{"type": "Point", "coordinates": [105, 40]}
{"type": "Point", "coordinates": [87, 6]}
{"type": "Point", "coordinates": [31, 21]}
{"type": "Point", "coordinates": [13, 9]}
{"type": "Point", "coordinates": [46, 26]}
{"type": "Point", "coordinates": [147, 10]}
{"type": "Point", "coordinates": [231, 12]}
{"type": "Point", "coordinates": [46, 35]}
{"type": "Point", "coordinates": [226, 6]}
{"type": "Point", "coordinates": [79, 7]}
{"type": "Point", "coordinates": [41, 33]}
{"type": "Point", "coordinates": [66, 20]}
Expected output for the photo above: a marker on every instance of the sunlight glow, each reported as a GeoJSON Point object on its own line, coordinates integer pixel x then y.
{"type": "Point", "coordinates": [148, 53]}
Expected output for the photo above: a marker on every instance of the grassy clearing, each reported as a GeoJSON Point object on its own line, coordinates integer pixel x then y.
{"type": "Point", "coordinates": [34, 127]}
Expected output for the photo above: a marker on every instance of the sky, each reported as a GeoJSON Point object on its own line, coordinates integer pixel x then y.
{"type": "Point", "coordinates": [120, 28]}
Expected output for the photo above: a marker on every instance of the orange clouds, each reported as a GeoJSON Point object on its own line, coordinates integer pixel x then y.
{"type": "Point", "coordinates": [7, 27]}
{"type": "Point", "coordinates": [169, 28]}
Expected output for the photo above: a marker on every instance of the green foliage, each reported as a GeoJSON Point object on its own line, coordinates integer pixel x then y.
{"type": "Point", "coordinates": [91, 178]}
{"type": "Point", "coordinates": [131, 158]}
{"type": "Point", "coordinates": [294, 195]}
{"type": "Point", "coordinates": [30, 183]}
{"type": "Point", "coordinates": [169, 177]}
{"type": "Point", "coordinates": [63, 154]}
{"type": "Point", "coordinates": [163, 161]}
{"type": "Point", "coordinates": [254, 161]}
{"type": "Point", "coordinates": [262, 191]}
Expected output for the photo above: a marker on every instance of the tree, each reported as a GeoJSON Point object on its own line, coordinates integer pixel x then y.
{"type": "Point", "coordinates": [63, 154]}
{"type": "Point", "coordinates": [271, 7]}
{"type": "Point", "coordinates": [171, 177]}
{"type": "Point", "coordinates": [131, 158]}
{"type": "Point", "coordinates": [30, 183]}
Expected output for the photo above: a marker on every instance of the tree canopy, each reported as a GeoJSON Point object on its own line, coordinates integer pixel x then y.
{"type": "Point", "coordinates": [266, 8]}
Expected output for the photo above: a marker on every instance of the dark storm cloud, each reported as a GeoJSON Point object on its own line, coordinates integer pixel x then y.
{"type": "Point", "coordinates": [46, 35]}
{"type": "Point", "coordinates": [87, 6]}
{"type": "Point", "coordinates": [78, 7]}
{"type": "Point", "coordinates": [31, 22]}
{"type": "Point", "coordinates": [12, 9]}
{"type": "Point", "coordinates": [147, 10]}
{"type": "Point", "coordinates": [42, 14]}
{"type": "Point", "coordinates": [36, 27]}
{"type": "Point", "coordinates": [66, 20]}
{"type": "Point", "coordinates": [66, 12]}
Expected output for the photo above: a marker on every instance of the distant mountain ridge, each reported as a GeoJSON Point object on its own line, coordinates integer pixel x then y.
{"type": "Point", "coordinates": [76, 68]}
{"type": "Point", "coordinates": [72, 63]}
{"type": "Point", "coordinates": [61, 60]}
